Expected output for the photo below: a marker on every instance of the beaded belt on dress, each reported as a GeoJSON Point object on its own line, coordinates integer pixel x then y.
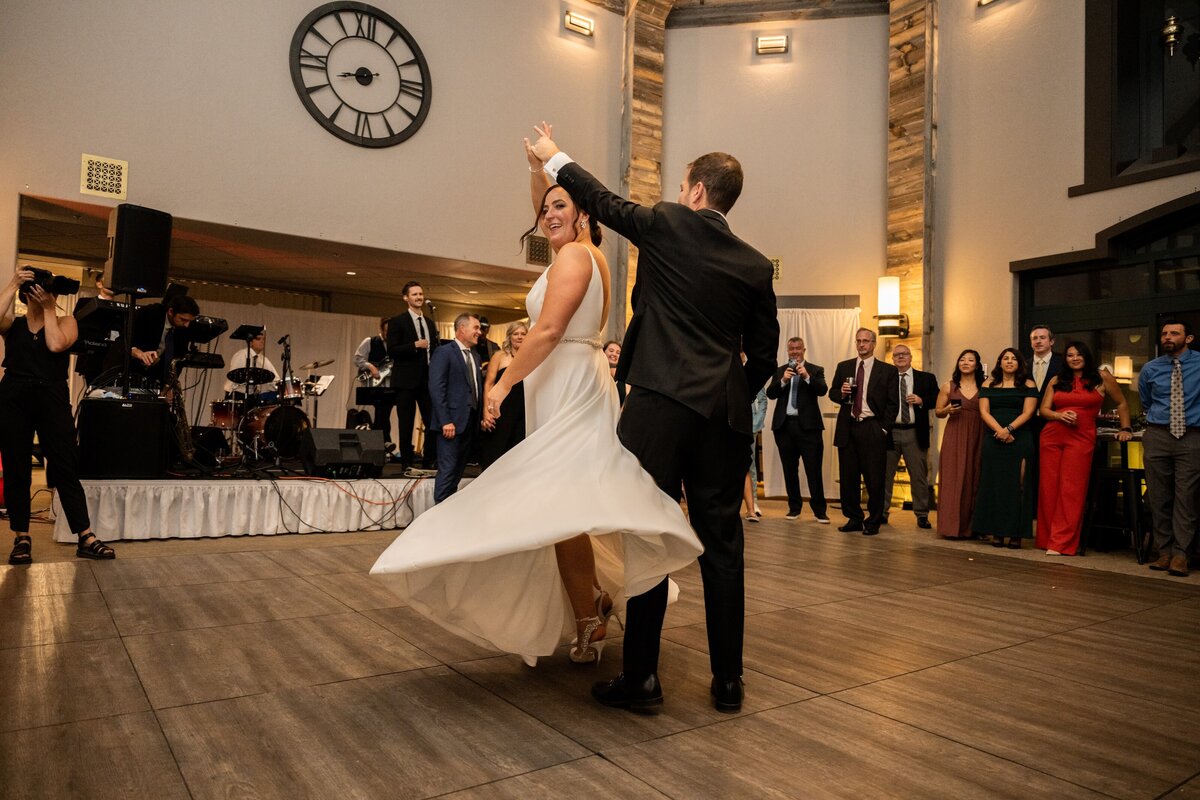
{"type": "Point", "coordinates": [596, 343]}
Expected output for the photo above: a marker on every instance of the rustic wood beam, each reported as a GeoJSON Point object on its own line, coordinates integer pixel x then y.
{"type": "Point", "coordinates": [615, 6]}
{"type": "Point", "coordinates": [909, 164]}
{"type": "Point", "coordinates": [700, 13]}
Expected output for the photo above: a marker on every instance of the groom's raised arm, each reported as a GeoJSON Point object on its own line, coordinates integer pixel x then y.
{"type": "Point", "coordinates": [622, 215]}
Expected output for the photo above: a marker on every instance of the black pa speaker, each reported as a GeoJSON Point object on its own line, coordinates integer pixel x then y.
{"type": "Point", "coordinates": [139, 250]}
{"type": "Point", "coordinates": [123, 438]}
{"type": "Point", "coordinates": [332, 453]}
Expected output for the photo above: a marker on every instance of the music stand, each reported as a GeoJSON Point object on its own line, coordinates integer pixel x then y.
{"type": "Point", "coordinates": [314, 387]}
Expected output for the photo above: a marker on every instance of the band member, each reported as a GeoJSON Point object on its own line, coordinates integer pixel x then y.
{"type": "Point", "coordinates": [411, 337]}
{"type": "Point", "coordinates": [486, 348]}
{"type": "Point", "coordinates": [159, 334]}
{"type": "Point", "coordinates": [257, 359]}
{"type": "Point", "coordinates": [372, 362]}
{"type": "Point", "coordinates": [34, 399]}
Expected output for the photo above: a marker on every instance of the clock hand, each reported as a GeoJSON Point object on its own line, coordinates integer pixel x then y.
{"type": "Point", "coordinates": [355, 74]}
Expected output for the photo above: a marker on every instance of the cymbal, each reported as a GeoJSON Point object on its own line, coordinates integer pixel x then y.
{"type": "Point", "coordinates": [251, 375]}
{"type": "Point", "coordinates": [316, 364]}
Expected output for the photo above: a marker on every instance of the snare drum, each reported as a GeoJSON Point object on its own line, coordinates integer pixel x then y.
{"type": "Point", "coordinates": [226, 414]}
{"type": "Point", "coordinates": [291, 391]}
{"type": "Point", "coordinates": [274, 430]}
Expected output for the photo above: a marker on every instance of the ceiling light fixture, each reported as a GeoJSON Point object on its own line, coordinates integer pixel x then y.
{"type": "Point", "coordinates": [768, 45]}
{"type": "Point", "coordinates": [348, 272]}
{"type": "Point", "coordinates": [578, 23]}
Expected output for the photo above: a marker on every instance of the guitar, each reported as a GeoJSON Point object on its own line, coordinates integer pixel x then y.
{"type": "Point", "coordinates": [385, 373]}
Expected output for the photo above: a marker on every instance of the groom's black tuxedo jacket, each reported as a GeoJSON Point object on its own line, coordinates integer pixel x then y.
{"type": "Point", "coordinates": [702, 296]}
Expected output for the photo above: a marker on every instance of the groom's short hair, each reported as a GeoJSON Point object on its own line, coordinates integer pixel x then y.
{"type": "Point", "coordinates": [721, 175]}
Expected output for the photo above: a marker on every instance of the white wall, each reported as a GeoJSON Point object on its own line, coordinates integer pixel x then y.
{"type": "Point", "coordinates": [810, 130]}
{"type": "Point", "coordinates": [198, 97]}
{"type": "Point", "coordinates": [1011, 84]}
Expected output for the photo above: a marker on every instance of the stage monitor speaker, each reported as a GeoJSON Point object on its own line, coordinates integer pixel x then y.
{"type": "Point", "coordinates": [123, 438]}
{"type": "Point", "coordinates": [332, 453]}
{"type": "Point", "coordinates": [139, 250]}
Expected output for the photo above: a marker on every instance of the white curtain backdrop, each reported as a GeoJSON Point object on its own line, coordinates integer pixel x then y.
{"type": "Point", "coordinates": [828, 335]}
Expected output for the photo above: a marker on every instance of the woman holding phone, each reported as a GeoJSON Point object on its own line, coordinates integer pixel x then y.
{"type": "Point", "coordinates": [958, 473]}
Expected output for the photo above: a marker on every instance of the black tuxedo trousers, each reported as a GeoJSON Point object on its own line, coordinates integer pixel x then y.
{"type": "Point", "coordinates": [680, 448]}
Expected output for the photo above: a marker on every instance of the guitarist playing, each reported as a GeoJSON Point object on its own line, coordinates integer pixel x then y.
{"type": "Point", "coordinates": [375, 371]}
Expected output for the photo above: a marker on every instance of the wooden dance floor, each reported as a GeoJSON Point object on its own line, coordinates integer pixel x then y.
{"type": "Point", "coordinates": [889, 666]}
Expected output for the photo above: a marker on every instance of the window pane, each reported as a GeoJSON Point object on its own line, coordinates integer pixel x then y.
{"type": "Point", "coordinates": [1103, 284]}
{"type": "Point", "coordinates": [1179, 274]}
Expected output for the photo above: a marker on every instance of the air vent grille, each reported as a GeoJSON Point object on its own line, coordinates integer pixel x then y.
{"type": "Point", "coordinates": [537, 251]}
{"type": "Point", "coordinates": [106, 177]}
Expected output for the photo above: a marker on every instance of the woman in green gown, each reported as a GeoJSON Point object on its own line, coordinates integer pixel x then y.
{"type": "Point", "coordinates": [1007, 401]}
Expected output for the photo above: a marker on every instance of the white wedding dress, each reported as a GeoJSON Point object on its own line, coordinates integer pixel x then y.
{"type": "Point", "coordinates": [482, 565]}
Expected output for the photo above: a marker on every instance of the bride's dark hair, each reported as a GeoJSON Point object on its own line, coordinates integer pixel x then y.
{"type": "Point", "coordinates": [593, 226]}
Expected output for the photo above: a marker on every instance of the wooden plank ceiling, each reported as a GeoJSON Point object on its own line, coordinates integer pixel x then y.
{"type": "Point", "coordinates": [697, 13]}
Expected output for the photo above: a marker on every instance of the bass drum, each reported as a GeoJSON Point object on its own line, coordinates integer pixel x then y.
{"type": "Point", "coordinates": [274, 430]}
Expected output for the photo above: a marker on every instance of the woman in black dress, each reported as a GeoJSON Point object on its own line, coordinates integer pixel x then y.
{"type": "Point", "coordinates": [34, 399]}
{"type": "Point", "coordinates": [509, 428]}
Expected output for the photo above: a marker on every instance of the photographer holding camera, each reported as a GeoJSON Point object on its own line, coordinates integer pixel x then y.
{"type": "Point", "coordinates": [34, 398]}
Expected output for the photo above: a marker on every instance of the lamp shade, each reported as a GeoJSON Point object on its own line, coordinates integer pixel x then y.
{"type": "Point", "coordinates": [1123, 368]}
{"type": "Point", "coordinates": [889, 295]}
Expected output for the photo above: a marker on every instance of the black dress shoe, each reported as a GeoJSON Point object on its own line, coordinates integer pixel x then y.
{"type": "Point", "coordinates": [621, 692]}
{"type": "Point", "coordinates": [851, 527]}
{"type": "Point", "coordinates": [727, 695]}
{"type": "Point", "coordinates": [871, 532]}
{"type": "Point", "coordinates": [923, 522]}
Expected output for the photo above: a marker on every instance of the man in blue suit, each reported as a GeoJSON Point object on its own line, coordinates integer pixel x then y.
{"type": "Point", "coordinates": [455, 388]}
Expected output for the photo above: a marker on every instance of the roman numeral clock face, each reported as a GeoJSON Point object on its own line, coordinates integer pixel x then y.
{"type": "Point", "coordinates": [360, 74]}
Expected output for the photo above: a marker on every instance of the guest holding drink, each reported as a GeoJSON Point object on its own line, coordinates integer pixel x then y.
{"type": "Point", "coordinates": [1007, 402]}
{"type": "Point", "coordinates": [1073, 399]}
{"type": "Point", "coordinates": [958, 475]}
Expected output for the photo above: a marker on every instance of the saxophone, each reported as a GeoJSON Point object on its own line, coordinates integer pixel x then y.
{"type": "Point", "coordinates": [183, 430]}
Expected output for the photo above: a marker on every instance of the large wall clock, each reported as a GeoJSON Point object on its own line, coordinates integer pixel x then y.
{"type": "Point", "coordinates": [360, 74]}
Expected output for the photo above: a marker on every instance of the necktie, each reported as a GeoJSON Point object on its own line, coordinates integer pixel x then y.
{"type": "Point", "coordinates": [1178, 418]}
{"type": "Point", "coordinates": [471, 377]}
{"type": "Point", "coordinates": [795, 393]}
{"type": "Point", "coordinates": [168, 346]}
{"type": "Point", "coordinates": [421, 335]}
{"type": "Point", "coordinates": [905, 409]}
{"type": "Point", "coordinates": [858, 391]}
{"type": "Point", "coordinates": [1039, 372]}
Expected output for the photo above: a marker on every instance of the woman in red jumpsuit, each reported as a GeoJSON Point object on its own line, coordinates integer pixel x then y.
{"type": "Point", "coordinates": [1071, 404]}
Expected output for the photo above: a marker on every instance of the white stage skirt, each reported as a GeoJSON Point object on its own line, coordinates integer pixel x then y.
{"type": "Point", "coordinates": [131, 510]}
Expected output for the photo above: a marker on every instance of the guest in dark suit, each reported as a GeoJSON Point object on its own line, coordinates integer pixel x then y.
{"type": "Point", "coordinates": [1044, 364]}
{"type": "Point", "coordinates": [702, 297]}
{"type": "Point", "coordinates": [799, 430]}
{"type": "Point", "coordinates": [159, 335]}
{"type": "Point", "coordinates": [486, 347]}
{"type": "Point", "coordinates": [455, 386]}
{"type": "Point", "coordinates": [411, 340]}
{"type": "Point", "coordinates": [869, 393]}
{"type": "Point", "coordinates": [917, 395]}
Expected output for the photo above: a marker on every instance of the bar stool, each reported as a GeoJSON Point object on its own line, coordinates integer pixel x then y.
{"type": "Point", "coordinates": [1115, 503]}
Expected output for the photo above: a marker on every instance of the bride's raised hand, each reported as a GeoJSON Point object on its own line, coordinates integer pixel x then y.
{"type": "Point", "coordinates": [544, 148]}
{"type": "Point", "coordinates": [535, 163]}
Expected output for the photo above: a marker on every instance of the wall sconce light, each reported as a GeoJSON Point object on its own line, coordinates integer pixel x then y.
{"type": "Point", "coordinates": [892, 324]}
{"type": "Point", "coordinates": [767, 45]}
{"type": "Point", "coordinates": [1123, 369]}
{"type": "Point", "coordinates": [578, 23]}
{"type": "Point", "coordinates": [982, 3]}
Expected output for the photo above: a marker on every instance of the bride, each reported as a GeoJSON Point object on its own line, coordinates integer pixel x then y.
{"type": "Point", "coordinates": [551, 539]}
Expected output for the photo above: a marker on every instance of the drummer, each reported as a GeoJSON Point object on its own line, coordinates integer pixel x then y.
{"type": "Point", "coordinates": [264, 393]}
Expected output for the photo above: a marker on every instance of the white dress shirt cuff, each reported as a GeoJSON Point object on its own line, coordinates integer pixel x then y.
{"type": "Point", "coordinates": [556, 162]}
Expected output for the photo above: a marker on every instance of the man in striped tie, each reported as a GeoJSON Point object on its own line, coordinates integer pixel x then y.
{"type": "Point", "coordinates": [1170, 391]}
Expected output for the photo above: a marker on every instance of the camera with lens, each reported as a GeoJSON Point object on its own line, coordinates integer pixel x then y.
{"type": "Point", "coordinates": [792, 364]}
{"type": "Point", "coordinates": [54, 284]}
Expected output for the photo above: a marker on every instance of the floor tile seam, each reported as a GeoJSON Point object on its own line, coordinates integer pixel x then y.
{"type": "Point", "coordinates": [524, 712]}
{"type": "Point", "coordinates": [226, 624]}
{"type": "Point", "coordinates": [174, 757]}
{"type": "Point", "coordinates": [289, 577]}
{"type": "Point", "coordinates": [976, 748]}
{"type": "Point", "coordinates": [1177, 786]}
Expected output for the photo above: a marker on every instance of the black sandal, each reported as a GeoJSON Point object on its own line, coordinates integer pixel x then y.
{"type": "Point", "coordinates": [95, 549]}
{"type": "Point", "coordinates": [22, 552]}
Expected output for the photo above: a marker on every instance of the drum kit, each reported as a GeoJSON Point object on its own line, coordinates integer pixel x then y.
{"type": "Point", "coordinates": [266, 424]}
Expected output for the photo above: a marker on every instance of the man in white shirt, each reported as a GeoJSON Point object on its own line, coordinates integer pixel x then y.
{"type": "Point", "coordinates": [917, 395]}
{"type": "Point", "coordinates": [1043, 365]}
{"type": "Point", "coordinates": [371, 361]}
{"type": "Point", "coordinates": [256, 358]}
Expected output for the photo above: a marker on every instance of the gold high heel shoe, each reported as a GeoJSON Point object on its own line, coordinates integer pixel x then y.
{"type": "Point", "coordinates": [584, 649]}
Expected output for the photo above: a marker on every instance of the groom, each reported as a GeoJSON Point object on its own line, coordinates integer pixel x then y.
{"type": "Point", "coordinates": [701, 297]}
